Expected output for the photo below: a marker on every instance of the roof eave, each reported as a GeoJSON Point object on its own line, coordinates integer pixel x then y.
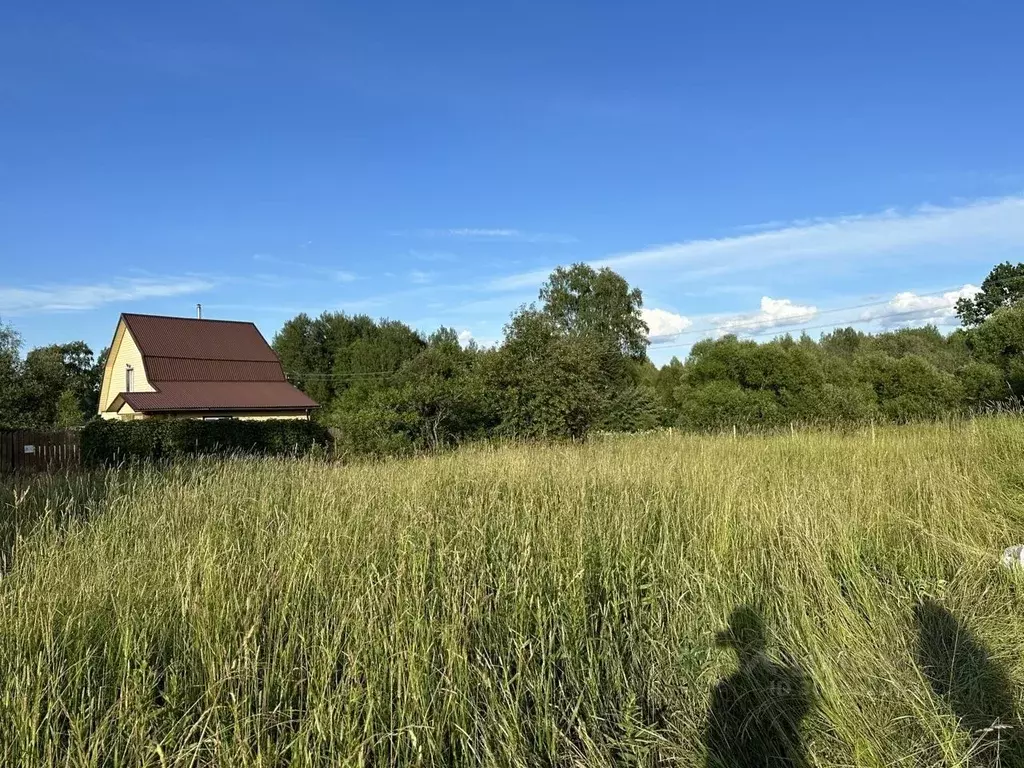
{"type": "Point", "coordinates": [230, 409]}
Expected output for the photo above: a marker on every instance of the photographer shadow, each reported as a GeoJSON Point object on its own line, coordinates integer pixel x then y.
{"type": "Point", "coordinates": [961, 671]}
{"type": "Point", "coordinates": [756, 712]}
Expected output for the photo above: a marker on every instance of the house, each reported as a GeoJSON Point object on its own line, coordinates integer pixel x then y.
{"type": "Point", "coordinates": [195, 368]}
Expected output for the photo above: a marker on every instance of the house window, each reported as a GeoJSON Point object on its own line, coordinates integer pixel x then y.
{"type": "Point", "coordinates": [129, 378]}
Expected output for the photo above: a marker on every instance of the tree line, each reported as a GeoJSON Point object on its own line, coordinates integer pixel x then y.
{"type": "Point", "coordinates": [575, 362]}
{"type": "Point", "coordinates": [52, 386]}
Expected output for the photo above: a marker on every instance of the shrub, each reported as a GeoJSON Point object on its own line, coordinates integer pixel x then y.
{"type": "Point", "coordinates": [111, 442]}
{"type": "Point", "coordinates": [984, 384]}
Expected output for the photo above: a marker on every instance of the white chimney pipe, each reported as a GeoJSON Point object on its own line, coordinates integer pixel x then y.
{"type": "Point", "coordinates": [199, 311]}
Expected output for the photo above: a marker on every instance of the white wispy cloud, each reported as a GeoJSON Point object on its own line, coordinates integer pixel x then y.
{"type": "Point", "coordinates": [250, 309]}
{"type": "Point", "coordinates": [70, 297]}
{"type": "Point", "coordinates": [337, 275]}
{"type": "Point", "coordinates": [433, 256]}
{"type": "Point", "coordinates": [909, 308]}
{"type": "Point", "coordinates": [774, 313]}
{"type": "Point", "coordinates": [864, 237]}
{"type": "Point", "coordinates": [497, 234]}
{"type": "Point", "coordinates": [266, 258]}
{"type": "Point", "coordinates": [925, 234]}
{"type": "Point", "coordinates": [477, 232]}
{"type": "Point", "coordinates": [532, 279]}
{"type": "Point", "coordinates": [664, 326]}
{"type": "Point", "coordinates": [419, 277]}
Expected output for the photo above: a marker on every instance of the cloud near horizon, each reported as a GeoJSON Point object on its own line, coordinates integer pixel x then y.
{"type": "Point", "coordinates": [664, 325]}
{"type": "Point", "coordinates": [774, 313]}
{"type": "Point", "coordinates": [909, 308]}
{"type": "Point", "coordinates": [668, 326]}
{"type": "Point", "coordinates": [904, 309]}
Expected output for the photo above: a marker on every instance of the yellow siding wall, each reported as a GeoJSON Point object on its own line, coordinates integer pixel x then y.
{"type": "Point", "coordinates": [127, 413]}
{"type": "Point", "coordinates": [124, 352]}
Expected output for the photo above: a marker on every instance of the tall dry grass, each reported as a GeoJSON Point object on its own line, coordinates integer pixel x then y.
{"type": "Point", "coordinates": [522, 606]}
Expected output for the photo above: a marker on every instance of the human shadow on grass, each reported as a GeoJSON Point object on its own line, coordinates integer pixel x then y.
{"type": "Point", "coordinates": [756, 712]}
{"type": "Point", "coordinates": [961, 671]}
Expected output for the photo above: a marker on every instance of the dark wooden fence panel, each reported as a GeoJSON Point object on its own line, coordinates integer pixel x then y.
{"type": "Point", "coordinates": [30, 449]}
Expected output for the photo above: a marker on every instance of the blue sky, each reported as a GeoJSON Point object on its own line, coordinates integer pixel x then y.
{"type": "Point", "coordinates": [755, 167]}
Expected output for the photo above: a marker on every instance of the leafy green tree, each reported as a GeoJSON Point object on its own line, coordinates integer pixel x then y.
{"type": "Point", "coordinates": [665, 381]}
{"type": "Point", "coordinates": [1004, 287]}
{"type": "Point", "coordinates": [843, 342]}
{"type": "Point", "coordinates": [910, 388]}
{"type": "Point", "coordinates": [301, 345]}
{"type": "Point", "coordinates": [984, 384]}
{"type": "Point", "coordinates": [10, 377]}
{"type": "Point", "coordinates": [435, 400]}
{"type": "Point", "coordinates": [92, 406]}
{"type": "Point", "coordinates": [576, 363]}
{"type": "Point", "coordinates": [846, 396]}
{"type": "Point", "coordinates": [785, 373]}
{"type": "Point", "coordinates": [547, 384]}
{"type": "Point", "coordinates": [635, 408]}
{"type": "Point", "coordinates": [69, 411]}
{"type": "Point", "coordinates": [999, 341]}
{"type": "Point", "coordinates": [340, 360]}
{"type": "Point", "coordinates": [947, 353]}
{"type": "Point", "coordinates": [442, 390]}
{"type": "Point", "coordinates": [723, 404]}
{"type": "Point", "coordinates": [358, 345]}
{"type": "Point", "coordinates": [582, 301]}
{"type": "Point", "coordinates": [848, 403]}
{"type": "Point", "coordinates": [49, 372]}
{"type": "Point", "coordinates": [365, 355]}
{"type": "Point", "coordinates": [379, 427]}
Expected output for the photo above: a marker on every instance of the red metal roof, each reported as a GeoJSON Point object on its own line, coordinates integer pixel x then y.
{"type": "Point", "coordinates": [208, 365]}
{"type": "Point", "coordinates": [184, 369]}
{"type": "Point", "coordinates": [187, 337]}
{"type": "Point", "coordinates": [220, 396]}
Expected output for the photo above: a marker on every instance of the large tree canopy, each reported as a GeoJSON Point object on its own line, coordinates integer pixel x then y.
{"type": "Point", "coordinates": [55, 385]}
{"type": "Point", "coordinates": [597, 303]}
{"type": "Point", "coordinates": [61, 384]}
{"type": "Point", "coordinates": [337, 354]}
{"type": "Point", "coordinates": [10, 375]}
{"type": "Point", "coordinates": [1003, 287]}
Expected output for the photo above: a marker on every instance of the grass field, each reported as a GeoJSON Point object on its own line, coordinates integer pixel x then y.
{"type": "Point", "coordinates": [649, 600]}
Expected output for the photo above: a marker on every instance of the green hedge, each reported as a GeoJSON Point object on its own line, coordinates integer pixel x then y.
{"type": "Point", "coordinates": [111, 442]}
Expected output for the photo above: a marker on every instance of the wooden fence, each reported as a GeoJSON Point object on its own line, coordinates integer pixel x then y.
{"type": "Point", "coordinates": [30, 449]}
